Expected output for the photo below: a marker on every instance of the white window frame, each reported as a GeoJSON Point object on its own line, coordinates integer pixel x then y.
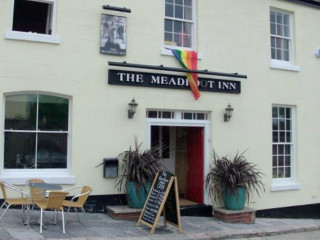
{"type": "Point", "coordinates": [282, 64]}
{"type": "Point", "coordinates": [280, 184]}
{"type": "Point", "coordinates": [164, 50]}
{"type": "Point", "coordinates": [20, 176]}
{"type": "Point", "coordinates": [36, 37]}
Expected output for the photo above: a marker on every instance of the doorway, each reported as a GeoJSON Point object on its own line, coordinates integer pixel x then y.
{"type": "Point", "coordinates": [182, 150]}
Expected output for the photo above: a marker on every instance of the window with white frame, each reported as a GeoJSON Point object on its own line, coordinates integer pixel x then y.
{"type": "Point", "coordinates": [36, 130]}
{"type": "Point", "coordinates": [34, 20]}
{"type": "Point", "coordinates": [179, 23]}
{"type": "Point", "coordinates": [282, 142]}
{"type": "Point", "coordinates": [281, 35]}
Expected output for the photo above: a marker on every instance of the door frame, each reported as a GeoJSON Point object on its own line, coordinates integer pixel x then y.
{"type": "Point", "coordinates": [186, 123]}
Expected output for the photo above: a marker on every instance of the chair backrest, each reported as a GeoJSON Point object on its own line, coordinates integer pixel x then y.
{"type": "Point", "coordinates": [55, 199]}
{"type": "Point", "coordinates": [82, 199]}
{"type": "Point", "coordinates": [3, 188]}
{"type": "Point", "coordinates": [36, 193]}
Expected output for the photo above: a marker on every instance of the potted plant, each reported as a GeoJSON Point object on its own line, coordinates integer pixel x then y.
{"type": "Point", "coordinates": [231, 180]}
{"type": "Point", "coordinates": [139, 168]}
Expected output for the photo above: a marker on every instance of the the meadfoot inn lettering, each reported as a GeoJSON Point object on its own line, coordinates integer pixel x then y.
{"type": "Point", "coordinates": [145, 79]}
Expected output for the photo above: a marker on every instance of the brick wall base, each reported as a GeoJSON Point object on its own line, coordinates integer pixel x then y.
{"type": "Point", "coordinates": [247, 215]}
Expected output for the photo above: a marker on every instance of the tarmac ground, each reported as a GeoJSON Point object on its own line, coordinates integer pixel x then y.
{"type": "Point", "coordinates": [99, 226]}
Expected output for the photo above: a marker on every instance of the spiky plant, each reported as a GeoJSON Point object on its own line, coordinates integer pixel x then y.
{"type": "Point", "coordinates": [139, 166]}
{"type": "Point", "coordinates": [231, 172]}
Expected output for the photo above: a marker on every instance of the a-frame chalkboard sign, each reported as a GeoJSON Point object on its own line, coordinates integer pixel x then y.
{"type": "Point", "coordinates": [163, 197]}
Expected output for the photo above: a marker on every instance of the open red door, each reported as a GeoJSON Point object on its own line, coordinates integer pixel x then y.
{"type": "Point", "coordinates": [195, 164]}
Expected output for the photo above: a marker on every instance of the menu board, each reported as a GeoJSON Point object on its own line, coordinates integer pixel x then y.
{"type": "Point", "coordinates": [163, 196]}
{"type": "Point", "coordinates": [156, 196]}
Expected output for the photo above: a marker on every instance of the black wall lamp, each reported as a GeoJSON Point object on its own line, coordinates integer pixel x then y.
{"type": "Point", "coordinates": [228, 113]}
{"type": "Point", "coordinates": [132, 108]}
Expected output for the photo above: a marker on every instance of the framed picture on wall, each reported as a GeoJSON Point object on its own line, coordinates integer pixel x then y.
{"type": "Point", "coordinates": [113, 39]}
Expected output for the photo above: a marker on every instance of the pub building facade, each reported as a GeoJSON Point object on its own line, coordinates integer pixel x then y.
{"type": "Point", "coordinates": [69, 71]}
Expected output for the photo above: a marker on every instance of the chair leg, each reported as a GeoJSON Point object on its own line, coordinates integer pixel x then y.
{"type": "Point", "coordinates": [41, 216]}
{"type": "Point", "coordinates": [7, 207]}
{"type": "Point", "coordinates": [84, 214]}
{"type": "Point", "coordinates": [63, 222]}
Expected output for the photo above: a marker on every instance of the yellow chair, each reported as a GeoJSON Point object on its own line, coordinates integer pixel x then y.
{"type": "Point", "coordinates": [36, 194]}
{"type": "Point", "coordinates": [77, 201]}
{"type": "Point", "coordinates": [23, 201]}
{"type": "Point", "coordinates": [52, 202]}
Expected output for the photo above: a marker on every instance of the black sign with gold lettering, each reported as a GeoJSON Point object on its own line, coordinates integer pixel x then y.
{"type": "Point", "coordinates": [142, 79]}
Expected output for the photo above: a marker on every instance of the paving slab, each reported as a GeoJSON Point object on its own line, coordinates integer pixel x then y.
{"type": "Point", "coordinates": [100, 226]}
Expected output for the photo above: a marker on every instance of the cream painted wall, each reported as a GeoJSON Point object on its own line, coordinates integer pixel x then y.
{"type": "Point", "coordinates": [232, 35]}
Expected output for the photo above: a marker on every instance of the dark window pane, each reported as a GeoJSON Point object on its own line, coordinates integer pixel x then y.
{"type": "Point", "coordinates": [152, 114]}
{"type": "Point", "coordinates": [155, 138]}
{"type": "Point", "coordinates": [280, 172]}
{"type": "Point", "coordinates": [179, 2]}
{"type": "Point", "coordinates": [21, 112]}
{"type": "Point", "coordinates": [274, 150]}
{"type": "Point", "coordinates": [281, 123]}
{"type": "Point", "coordinates": [168, 37]}
{"type": "Point", "coordinates": [169, 10]}
{"type": "Point", "coordinates": [288, 172]}
{"type": "Point", "coordinates": [274, 112]}
{"type": "Point", "coordinates": [178, 11]}
{"type": "Point", "coordinates": [166, 114]}
{"type": "Point", "coordinates": [282, 136]}
{"type": "Point", "coordinates": [288, 113]}
{"type": "Point", "coordinates": [288, 137]}
{"type": "Point", "coordinates": [165, 142]}
{"type": "Point", "coordinates": [200, 116]}
{"type": "Point", "coordinates": [188, 3]}
{"type": "Point", "coordinates": [288, 161]}
{"type": "Point", "coordinates": [187, 115]}
{"type": "Point", "coordinates": [52, 150]}
{"type": "Point", "coordinates": [188, 13]}
{"type": "Point", "coordinates": [274, 161]}
{"type": "Point", "coordinates": [281, 149]}
{"type": "Point", "coordinates": [272, 17]}
{"type": "Point", "coordinates": [281, 161]}
{"type": "Point", "coordinates": [275, 137]}
{"type": "Point", "coordinates": [177, 27]}
{"type": "Point", "coordinates": [31, 16]}
{"type": "Point", "coordinates": [275, 125]}
{"type": "Point", "coordinates": [53, 113]}
{"type": "Point", "coordinates": [168, 25]}
{"type": "Point", "coordinates": [274, 173]}
{"type": "Point", "coordinates": [19, 150]}
{"type": "Point", "coordinates": [287, 149]}
{"type": "Point", "coordinates": [288, 125]}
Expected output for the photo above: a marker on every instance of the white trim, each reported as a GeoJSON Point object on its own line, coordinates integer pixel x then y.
{"type": "Point", "coordinates": [178, 122]}
{"type": "Point", "coordinates": [283, 65]}
{"type": "Point", "coordinates": [284, 186]}
{"type": "Point", "coordinates": [59, 176]}
{"type": "Point", "coordinates": [167, 52]}
{"type": "Point", "coordinates": [34, 37]}
{"type": "Point", "coordinates": [194, 27]}
{"type": "Point", "coordinates": [20, 177]}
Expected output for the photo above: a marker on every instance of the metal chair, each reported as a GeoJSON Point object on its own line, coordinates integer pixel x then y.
{"type": "Point", "coordinates": [23, 201]}
{"type": "Point", "coordinates": [77, 201]}
{"type": "Point", "coordinates": [53, 202]}
{"type": "Point", "coordinates": [36, 194]}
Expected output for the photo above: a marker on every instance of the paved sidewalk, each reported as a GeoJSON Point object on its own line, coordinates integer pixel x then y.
{"type": "Point", "coordinates": [100, 226]}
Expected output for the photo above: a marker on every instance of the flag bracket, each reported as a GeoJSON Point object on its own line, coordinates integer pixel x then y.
{"type": "Point", "coordinates": [171, 69]}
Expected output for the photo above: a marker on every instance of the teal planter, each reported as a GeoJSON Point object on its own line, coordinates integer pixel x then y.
{"type": "Point", "coordinates": [235, 202]}
{"type": "Point", "coordinates": [137, 200]}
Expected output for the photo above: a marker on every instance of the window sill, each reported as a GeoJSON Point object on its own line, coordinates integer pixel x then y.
{"type": "Point", "coordinates": [167, 52]}
{"type": "Point", "coordinates": [19, 178]}
{"type": "Point", "coordinates": [34, 37]}
{"type": "Point", "coordinates": [284, 186]}
{"type": "Point", "coordinates": [282, 65]}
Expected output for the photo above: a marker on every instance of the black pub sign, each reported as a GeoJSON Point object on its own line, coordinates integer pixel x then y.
{"type": "Point", "coordinates": [143, 79]}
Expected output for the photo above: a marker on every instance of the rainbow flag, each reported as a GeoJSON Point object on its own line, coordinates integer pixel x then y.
{"type": "Point", "coordinates": [188, 60]}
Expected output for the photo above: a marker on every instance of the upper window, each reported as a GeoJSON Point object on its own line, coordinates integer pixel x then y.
{"type": "Point", "coordinates": [35, 132]}
{"type": "Point", "coordinates": [283, 142]}
{"type": "Point", "coordinates": [281, 37]}
{"type": "Point", "coordinates": [34, 20]}
{"type": "Point", "coordinates": [179, 23]}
